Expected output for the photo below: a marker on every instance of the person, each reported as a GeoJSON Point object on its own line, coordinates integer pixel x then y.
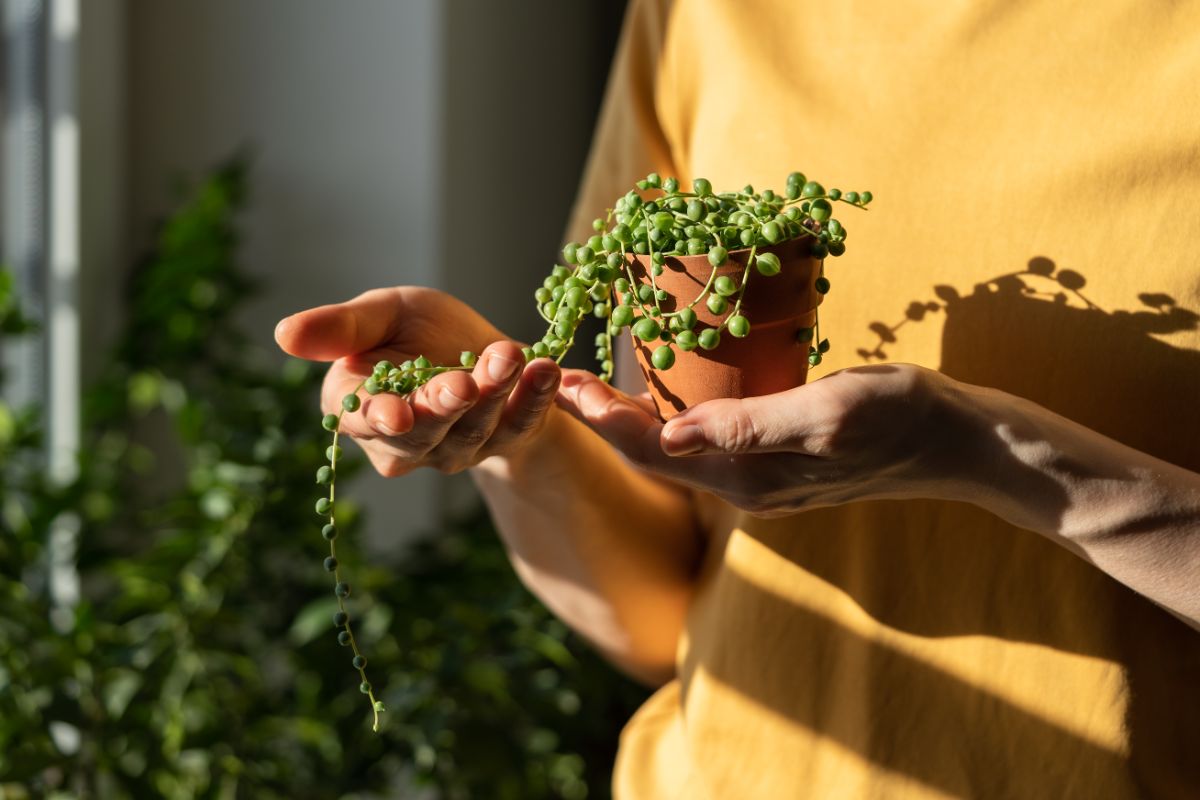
{"type": "Point", "coordinates": [967, 564]}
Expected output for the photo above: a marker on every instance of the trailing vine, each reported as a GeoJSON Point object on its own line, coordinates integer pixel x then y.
{"type": "Point", "coordinates": [597, 279]}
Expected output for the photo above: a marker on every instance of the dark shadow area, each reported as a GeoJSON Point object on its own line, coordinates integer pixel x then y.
{"type": "Point", "coordinates": [973, 595]}
{"type": "Point", "coordinates": [1081, 362]}
{"type": "Point", "coordinates": [1035, 333]}
{"type": "Point", "coordinates": [652, 379]}
{"type": "Point", "coordinates": [925, 722]}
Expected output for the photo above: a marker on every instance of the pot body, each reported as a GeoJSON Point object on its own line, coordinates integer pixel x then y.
{"type": "Point", "coordinates": [772, 358]}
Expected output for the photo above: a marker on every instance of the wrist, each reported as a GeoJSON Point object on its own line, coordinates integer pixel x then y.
{"type": "Point", "coordinates": [995, 451]}
{"type": "Point", "coordinates": [1043, 472]}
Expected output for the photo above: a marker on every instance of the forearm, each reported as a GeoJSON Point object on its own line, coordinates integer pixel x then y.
{"type": "Point", "coordinates": [1132, 515]}
{"type": "Point", "coordinates": [612, 551]}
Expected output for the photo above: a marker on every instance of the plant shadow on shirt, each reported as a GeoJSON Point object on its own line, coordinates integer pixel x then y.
{"type": "Point", "coordinates": [940, 572]}
{"type": "Point", "coordinates": [1102, 369]}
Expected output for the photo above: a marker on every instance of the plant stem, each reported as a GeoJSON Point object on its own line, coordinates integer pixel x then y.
{"type": "Point", "coordinates": [341, 601]}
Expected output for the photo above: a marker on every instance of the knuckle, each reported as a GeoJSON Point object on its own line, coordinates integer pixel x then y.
{"type": "Point", "coordinates": [440, 415]}
{"type": "Point", "coordinates": [525, 424]}
{"type": "Point", "coordinates": [470, 437]}
{"type": "Point", "coordinates": [527, 419]}
{"type": "Point", "coordinates": [448, 463]}
{"type": "Point", "coordinates": [410, 447]}
{"type": "Point", "coordinates": [735, 432]}
{"type": "Point", "coordinates": [420, 450]}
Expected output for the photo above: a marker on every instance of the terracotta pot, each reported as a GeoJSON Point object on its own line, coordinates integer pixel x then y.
{"type": "Point", "coordinates": [772, 358]}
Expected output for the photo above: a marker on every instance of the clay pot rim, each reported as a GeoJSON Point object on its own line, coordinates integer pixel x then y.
{"type": "Point", "coordinates": [764, 302]}
{"type": "Point", "coordinates": [733, 254]}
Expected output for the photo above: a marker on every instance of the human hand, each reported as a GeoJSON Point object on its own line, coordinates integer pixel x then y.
{"type": "Point", "coordinates": [454, 421]}
{"type": "Point", "coordinates": [862, 433]}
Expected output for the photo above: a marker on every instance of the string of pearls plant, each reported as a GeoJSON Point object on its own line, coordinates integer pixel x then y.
{"type": "Point", "coordinates": [597, 279]}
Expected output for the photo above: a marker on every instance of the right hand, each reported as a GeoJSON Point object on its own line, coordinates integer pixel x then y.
{"type": "Point", "coordinates": [457, 419]}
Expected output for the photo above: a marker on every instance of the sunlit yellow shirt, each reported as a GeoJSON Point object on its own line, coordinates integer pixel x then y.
{"type": "Point", "coordinates": [1036, 228]}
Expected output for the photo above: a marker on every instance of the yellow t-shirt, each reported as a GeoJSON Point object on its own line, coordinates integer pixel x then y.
{"type": "Point", "coordinates": [1036, 228]}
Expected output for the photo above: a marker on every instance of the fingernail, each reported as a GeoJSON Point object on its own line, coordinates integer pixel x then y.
{"type": "Point", "coordinates": [500, 368]}
{"type": "Point", "coordinates": [450, 401]}
{"type": "Point", "coordinates": [385, 430]}
{"type": "Point", "coordinates": [542, 381]}
{"type": "Point", "coordinates": [683, 440]}
{"type": "Point", "coordinates": [281, 327]}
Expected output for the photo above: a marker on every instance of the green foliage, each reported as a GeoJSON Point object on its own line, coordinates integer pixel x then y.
{"type": "Point", "coordinates": [601, 279]}
{"type": "Point", "coordinates": [677, 224]}
{"type": "Point", "coordinates": [200, 660]}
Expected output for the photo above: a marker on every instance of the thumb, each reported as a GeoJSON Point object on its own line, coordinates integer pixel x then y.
{"type": "Point", "coordinates": [330, 332]}
{"type": "Point", "coordinates": [770, 423]}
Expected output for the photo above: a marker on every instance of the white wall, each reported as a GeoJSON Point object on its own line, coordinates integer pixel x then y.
{"type": "Point", "coordinates": [366, 116]}
{"type": "Point", "coordinates": [339, 101]}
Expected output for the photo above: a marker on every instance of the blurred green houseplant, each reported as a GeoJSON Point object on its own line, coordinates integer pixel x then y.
{"type": "Point", "coordinates": [200, 660]}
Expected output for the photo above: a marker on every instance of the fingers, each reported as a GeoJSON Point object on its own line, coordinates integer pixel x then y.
{"type": "Point", "coordinates": [635, 432]}
{"type": "Point", "coordinates": [525, 411]}
{"type": "Point", "coordinates": [619, 421]}
{"type": "Point", "coordinates": [495, 374]}
{"type": "Point", "coordinates": [456, 419]}
{"type": "Point", "coordinates": [436, 407]}
{"type": "Point", "coordinates": [386, 415]}
{"type": "Point", "coordinates": [766, 424]}
{"type": "Point", "coordinates": [380, 415]}
{"type": "Point", "coordinates": [332, 331]}
{"type": "Point", "coordinates": [718, 426]}
{"type": "Point", "coordinates": [404, 427]}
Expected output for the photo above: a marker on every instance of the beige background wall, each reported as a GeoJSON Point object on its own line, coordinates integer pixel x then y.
{"type": "Point", "coordinates": [377, 124]}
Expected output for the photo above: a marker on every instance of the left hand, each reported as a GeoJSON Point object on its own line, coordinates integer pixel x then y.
{"type": "Point", "coordinates": [863, 433]}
